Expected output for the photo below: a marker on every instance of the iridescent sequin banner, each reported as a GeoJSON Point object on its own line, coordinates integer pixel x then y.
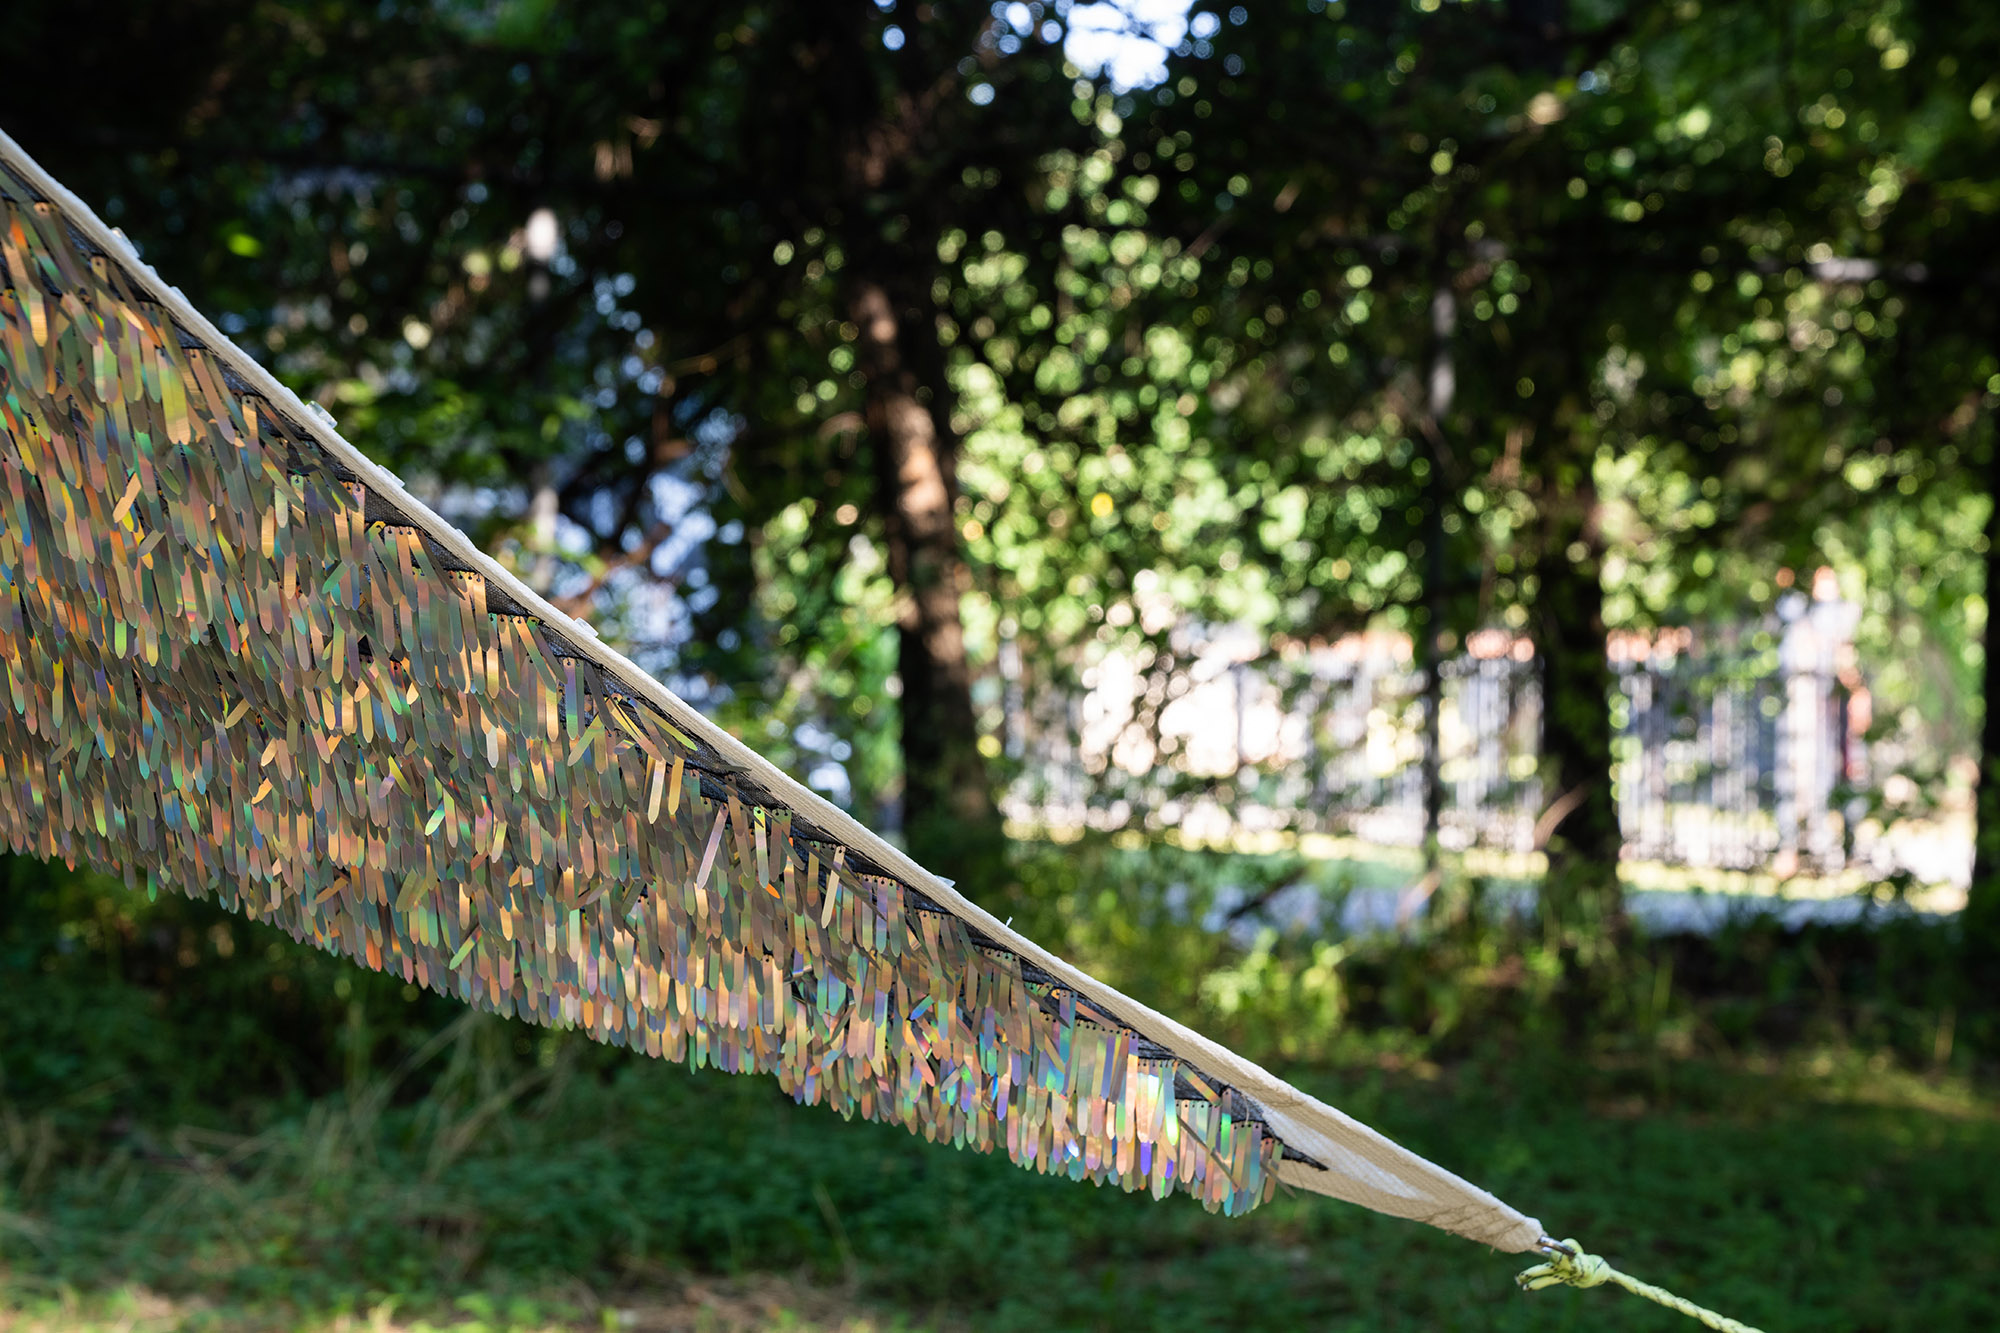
{"type": "Point", "coordinates": [231, 670]}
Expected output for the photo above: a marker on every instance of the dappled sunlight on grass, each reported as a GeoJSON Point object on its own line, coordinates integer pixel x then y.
{"type": "Point", "coordinates": [780, 1304]}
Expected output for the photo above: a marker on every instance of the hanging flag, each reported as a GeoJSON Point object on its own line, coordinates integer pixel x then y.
{"type": "Point", "coordinates": [242, 661]}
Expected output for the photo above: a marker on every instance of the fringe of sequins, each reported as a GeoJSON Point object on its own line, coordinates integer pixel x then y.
{"type": "Point", "coordinates": [221, 675]}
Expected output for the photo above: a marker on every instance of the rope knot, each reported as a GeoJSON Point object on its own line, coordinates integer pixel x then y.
{"type": "Point", "coordinates": [1568, 1265]}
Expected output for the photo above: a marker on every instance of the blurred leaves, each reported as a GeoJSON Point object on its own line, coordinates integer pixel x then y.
{"type": "Point", "coordinates": [1713, 266]}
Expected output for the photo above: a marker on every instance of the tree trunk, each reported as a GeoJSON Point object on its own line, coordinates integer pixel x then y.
{"type": "Point", "coordinates": [948, 809]}
{"type": "Point", "coordinates": [1439, 391]}
{"type": "Point", "coordinates": [1578, 828]}
{"type": "Point", "coordinates": [1980, 923]}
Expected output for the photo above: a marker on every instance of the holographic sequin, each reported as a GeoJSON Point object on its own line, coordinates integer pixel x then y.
{"type": "Point", "coordinates": [231, 670]}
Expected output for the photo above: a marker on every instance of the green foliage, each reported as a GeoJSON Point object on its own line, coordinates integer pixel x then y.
{"type": "Point", "coordinates": [1711, 275]}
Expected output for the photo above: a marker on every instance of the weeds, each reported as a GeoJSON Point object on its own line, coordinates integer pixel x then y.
{"type": "Point", "coordinates": [1803, 1138]}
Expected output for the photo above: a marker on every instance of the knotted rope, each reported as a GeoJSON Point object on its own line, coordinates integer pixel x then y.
{"type": "Point", "coordinates": [1570, 1266]}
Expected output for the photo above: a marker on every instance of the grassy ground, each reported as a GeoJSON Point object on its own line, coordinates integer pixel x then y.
{"type": "Point", "coordinates": [1813, 1195]}
{"type": "Point", "coordinates": [222, 1151]}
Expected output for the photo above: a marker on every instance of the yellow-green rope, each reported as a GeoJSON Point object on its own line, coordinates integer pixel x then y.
{"type": "Point", "coordinates": [1570, 1266]}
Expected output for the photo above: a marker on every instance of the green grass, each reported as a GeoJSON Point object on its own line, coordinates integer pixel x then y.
{"type": "Point", "coordinates": [254, 1136]}
{"type": "Point", "coordinates": [1790, 1197]}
